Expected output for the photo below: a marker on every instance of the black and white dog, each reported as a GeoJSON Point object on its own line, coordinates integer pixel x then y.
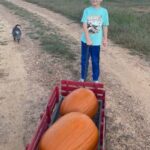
{"type": "Point", "coordinates": [16, 33]}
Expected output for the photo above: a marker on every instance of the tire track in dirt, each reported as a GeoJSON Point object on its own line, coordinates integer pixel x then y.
{"type": "Point", "coordinates": [12, 87]}
{"type": "Point", "coordinates": [27, 74]}
{"type": "Point", "coordinates": [19, 92]}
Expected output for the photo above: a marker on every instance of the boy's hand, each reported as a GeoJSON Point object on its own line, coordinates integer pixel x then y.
{"type": "Point", "coordinates": [105, 42]}
{"type": "Point", "coordinates": [89, 42]}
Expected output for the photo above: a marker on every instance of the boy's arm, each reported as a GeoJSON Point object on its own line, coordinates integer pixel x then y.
{"type": "Point", "coordinates": [105, 36]}
{"type": "Point", "coordinates": [85, 29]}
{"type": "Point", "coordinates": [84, 20]}
{"type": "Point", "coordinates": [105, 28]}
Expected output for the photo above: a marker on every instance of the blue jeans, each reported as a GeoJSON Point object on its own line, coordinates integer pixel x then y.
{"type": "Point", "coordinates": [86, 53]}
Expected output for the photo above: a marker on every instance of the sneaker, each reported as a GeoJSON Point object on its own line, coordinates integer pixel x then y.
{"type": "Point", "coordinates": [96, 81]}
{"type": "Point", "coordinates": [81, 80]}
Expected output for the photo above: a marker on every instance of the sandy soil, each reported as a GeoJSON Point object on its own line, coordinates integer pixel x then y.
{"type": "Point", "coordinates": [17, 88]}
{"type": "Point", "coordinates": [26, 78]}
{"type": "Point", "coordinates": [126, 78]}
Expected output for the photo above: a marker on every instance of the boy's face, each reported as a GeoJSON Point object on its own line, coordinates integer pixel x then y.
{"type": "Point", "coordinates": [96, 2]}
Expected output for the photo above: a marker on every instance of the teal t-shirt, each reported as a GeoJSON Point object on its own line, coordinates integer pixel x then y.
{"type": "Point", "coordinates": [95, 18]}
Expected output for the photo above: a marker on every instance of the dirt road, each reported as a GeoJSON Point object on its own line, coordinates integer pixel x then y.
{"type": "Point", "coordinates": [23, 85]}
{"type": "Point", "coordinates": [12, 86]}
{"type": "Point", "coordinates": [130, 70]}
{"type": "Point", "coordinates": [127, 80]}
{"type": "Point", "coordinates": [26, 78]}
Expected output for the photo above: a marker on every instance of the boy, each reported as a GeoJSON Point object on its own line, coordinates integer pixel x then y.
{"type": "Point", "coordinates": [95, 29]}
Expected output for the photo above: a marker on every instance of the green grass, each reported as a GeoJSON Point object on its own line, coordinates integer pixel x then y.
{"type": "Point", "coordinates": [50, 40]}
{"type": "Point", "coordinates": [128, 27]}
{"type": "Point", "coordinates": [131, 30]}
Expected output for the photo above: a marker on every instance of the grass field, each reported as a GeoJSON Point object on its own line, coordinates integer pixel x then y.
{"type": "Point", "coordinates": [129, 20]}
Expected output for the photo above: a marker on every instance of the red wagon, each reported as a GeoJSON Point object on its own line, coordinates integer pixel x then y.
{"type": "Point", "coordinates": [51, 113]}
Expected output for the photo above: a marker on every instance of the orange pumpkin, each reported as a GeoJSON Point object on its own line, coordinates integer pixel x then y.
{"type": "Point", "coordinates": [80, 100]}
{"type": "Point", "coordinates": [74, 131]}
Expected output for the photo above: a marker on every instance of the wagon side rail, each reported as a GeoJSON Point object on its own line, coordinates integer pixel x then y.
{"type": "Point", "coordinates": [45, 120]}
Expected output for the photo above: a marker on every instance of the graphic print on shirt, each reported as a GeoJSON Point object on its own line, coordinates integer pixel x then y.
{"type": "Point", "coordinates": [94, 24]}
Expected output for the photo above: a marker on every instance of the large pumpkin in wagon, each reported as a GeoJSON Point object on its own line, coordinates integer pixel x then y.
{"type": "Point", "coordinates": [74, 131]}
{"type": "Point", "coordinates": [81, 100]}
